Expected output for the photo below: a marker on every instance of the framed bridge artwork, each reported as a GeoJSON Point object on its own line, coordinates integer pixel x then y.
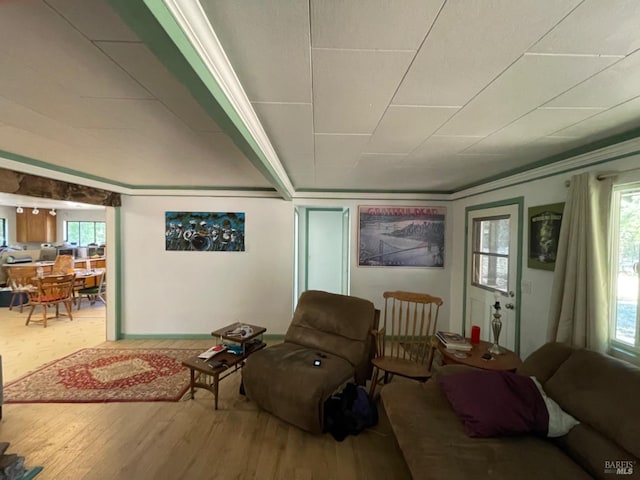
{"type": "Point", "coordinates": [205, 231]}
{"type": "Point", "coordinates": [390, 236]}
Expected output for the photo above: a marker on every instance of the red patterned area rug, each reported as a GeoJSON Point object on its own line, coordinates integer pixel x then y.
{"type": "Point", "coordinates": [97, 375]}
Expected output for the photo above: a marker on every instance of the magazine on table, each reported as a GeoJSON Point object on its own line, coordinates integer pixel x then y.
{"type": "Point", "coordinates": [452, 340]}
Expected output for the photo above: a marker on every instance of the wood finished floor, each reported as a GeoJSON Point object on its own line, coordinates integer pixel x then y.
{"type": "Point", "coordinates": [166, 441]}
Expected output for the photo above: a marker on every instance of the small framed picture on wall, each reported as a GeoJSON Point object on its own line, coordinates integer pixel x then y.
{"type": "Point", "coordinates": [544, 234]}
{"type": "Point", "coordinates": [204, 231]}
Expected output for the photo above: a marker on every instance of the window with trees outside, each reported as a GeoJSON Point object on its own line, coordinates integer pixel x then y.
{"type": "Point", "coordinates": [491, 253]}
{"type": "Point", "coordinates": [82, 233]}
{"type": "Point", "coordinates": [625, 241]}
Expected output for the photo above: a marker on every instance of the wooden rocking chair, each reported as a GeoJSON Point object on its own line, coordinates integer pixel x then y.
{"type": "Point", "coordinates": [406, 342]}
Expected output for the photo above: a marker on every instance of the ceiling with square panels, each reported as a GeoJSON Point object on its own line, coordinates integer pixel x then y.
{"type": "Point", "coordinates": [365, 95]}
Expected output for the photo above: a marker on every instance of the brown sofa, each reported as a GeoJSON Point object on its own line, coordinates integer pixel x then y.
{"type": "Point", "coordinates": [603, 393]}
{"type": "Point", "coordinates": [334, 329]}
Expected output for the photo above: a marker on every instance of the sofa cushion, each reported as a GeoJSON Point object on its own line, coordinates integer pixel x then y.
{"type": "Point", "coordinates": [593, 450]}
{"type": "Point", "coordinates": [333, 323]}
{"type": "Point", "coordinates": [493, 403]}
{"type": "Point", "coordinates": [603, 393]}
{"type": "Point", "coordinates": [560, 422]}
{"type": "Point", "coordinates": [544, 362]}
{"type": "Point", "coordinates": [435, 446]}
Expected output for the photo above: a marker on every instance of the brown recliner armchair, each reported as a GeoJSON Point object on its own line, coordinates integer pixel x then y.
{"type": "Point", "coordinates": [334, 329]}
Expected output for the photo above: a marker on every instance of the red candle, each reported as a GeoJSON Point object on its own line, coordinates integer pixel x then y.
{"type": "Point", "coordinates": [475, 334]}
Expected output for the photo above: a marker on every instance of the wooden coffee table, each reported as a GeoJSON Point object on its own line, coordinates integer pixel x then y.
{"type": "Point", "coordinates": [508, 360]}
{"type": "Point", "coordinates": [232, 362]}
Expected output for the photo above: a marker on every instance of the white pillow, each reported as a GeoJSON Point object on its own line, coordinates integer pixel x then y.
{"type": "Point", "coordinates": [560, 422]}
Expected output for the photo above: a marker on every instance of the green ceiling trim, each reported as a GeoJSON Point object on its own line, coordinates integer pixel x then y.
{"type": "Point", "coordinates": [156, 27]}
{"type": "Point", "coordinates": [49, 166]}
{"type": "Point", "coordinates": [590, 147]}
{"type": "Point", "coordinates": [56, 168]}
{"type": "Point", "coordinates": [300, 199]}
{"type": "Point", "coordinates": [553, 174]}
{"type": "Point", "coordinates": [205, 188]}
{"type": "Point", "coordinates": [390, 191]}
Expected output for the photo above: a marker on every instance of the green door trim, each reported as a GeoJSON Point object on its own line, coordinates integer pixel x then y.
{"type": "Point", "coordinates": [519, 201]}
{"type": "Point", "coordinates": [118, 272]}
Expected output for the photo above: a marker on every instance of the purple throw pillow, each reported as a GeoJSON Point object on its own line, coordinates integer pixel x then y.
{"type": "Point", "coordinates": [492, 403]}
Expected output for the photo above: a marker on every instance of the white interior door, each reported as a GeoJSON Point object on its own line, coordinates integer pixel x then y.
{"type": "Point", "coordinates": [493, 253]}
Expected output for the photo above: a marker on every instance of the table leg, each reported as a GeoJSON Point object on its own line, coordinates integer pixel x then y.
{"type": "Point", "coordinates": [192, 382]}
{"type": "Point", "coordinates": [215, 389]}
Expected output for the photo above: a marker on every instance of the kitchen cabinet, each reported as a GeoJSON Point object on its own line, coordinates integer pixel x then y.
{"type": "Point", "coordinates": [32, 228]}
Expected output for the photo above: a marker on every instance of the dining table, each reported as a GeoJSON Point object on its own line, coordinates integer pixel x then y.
{"type": "Point", "coordinates": [87, 274]}
{"type": "Point", "coordinates": [83, 276]}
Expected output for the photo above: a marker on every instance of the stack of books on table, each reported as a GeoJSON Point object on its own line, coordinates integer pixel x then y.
{"type": "Point", "coordinates": [453, 341]}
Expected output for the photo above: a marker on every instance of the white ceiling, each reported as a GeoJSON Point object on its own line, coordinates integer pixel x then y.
{"type": "Point", "coordinates": [412, 95]}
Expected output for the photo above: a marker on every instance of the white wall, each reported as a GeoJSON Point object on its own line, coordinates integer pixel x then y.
{"type": "Point", "coordinates": [169, 292]}
{"type": "Point", "coordinates": [534, 305]}
{"type": "Point", "coordinates": [372, 282]}
{"type": "Point", "coordinates": [197, 292]}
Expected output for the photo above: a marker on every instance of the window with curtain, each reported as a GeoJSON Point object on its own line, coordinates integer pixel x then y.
{"type": "Point", "coordinates": [625, 272]}
{"type": "Point", "coordinates": [83, 233]}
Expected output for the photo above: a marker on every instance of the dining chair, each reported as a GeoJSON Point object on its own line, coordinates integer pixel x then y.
{"type": "Point", "coordinates": [93, 293]}
{"type": "Point", "coordinates": [51, 291]}
{"type": "Point", "coordinates": [78, 283]}
{"type": "Point", "coordinates": [20, 281]}
{"type": "Point", "coordinates": [62, 265]}
{"type": "Point", "coordinates": [406, 341]}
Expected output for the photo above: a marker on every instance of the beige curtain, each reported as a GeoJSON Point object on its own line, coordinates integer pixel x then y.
{"type": "Point", "coordinates": [579, 309]}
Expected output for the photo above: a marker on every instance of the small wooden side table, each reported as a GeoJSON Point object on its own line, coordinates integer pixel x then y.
{"type": "Point", "coordinates": [508, 360]}
{"type": "Point", "coordinates": [233, 362]}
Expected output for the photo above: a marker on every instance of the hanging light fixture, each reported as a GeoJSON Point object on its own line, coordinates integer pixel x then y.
{"type": "Point", "coordinates": [19, 210]}
{"type": "Point", "coordinates": [52, 212]}
{"type": "Point", "coordinates": [35, 211]}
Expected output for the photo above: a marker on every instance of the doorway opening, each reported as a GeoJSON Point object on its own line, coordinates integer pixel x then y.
{"type": "Point", "coordinates": [321, 250]}
{"type": "Point", "coordinates": [92, 323]}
